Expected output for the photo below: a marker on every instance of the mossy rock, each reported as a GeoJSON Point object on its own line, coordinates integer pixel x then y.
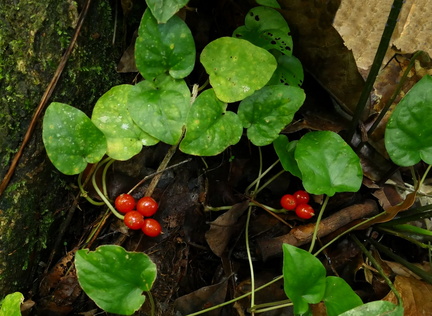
{"type": "Point", "coordinates": [33, 36]}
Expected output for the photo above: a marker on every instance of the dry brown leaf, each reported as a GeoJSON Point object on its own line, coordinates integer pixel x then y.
{"type": "Point", "coordinates": [400, 269]}
{"type": "Point", "coordinates": [221, 229]}
{"type": "Point", "coordinates": [202, 298]}
{"type": "Point", "coordinates": [416, 296]}
{"type": "Point", "coordinates": [361, 24]}
{"type": "Point", "coordinates": [392, 211]}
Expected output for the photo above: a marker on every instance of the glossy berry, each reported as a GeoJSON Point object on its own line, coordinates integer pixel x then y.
{"type": "Point", "coordinates": [304, 211]}
{"type": "Point", "coordinates": [133, 220]}
{"type": "Point", "coordinates": [147, 206]}
{"type": "Point", "coordinates": [288, 202]}
{"type": "Point", "coordinates": [124, 203]}
{"type": "Point", "coordinates": [302, 197]}
{"type": "Point", "coordinates": [151, 227]}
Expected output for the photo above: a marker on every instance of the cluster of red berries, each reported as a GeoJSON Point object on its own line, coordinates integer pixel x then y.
{"type": "Point", "coordinates": [137, 213]}
{"type": "Point", "coordinates": [298, 202]}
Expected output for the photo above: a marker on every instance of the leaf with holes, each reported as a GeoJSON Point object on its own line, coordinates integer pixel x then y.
{"type": "Point", "coordinates": [328, 164]}
{"type": "Point", "coordinates": [408, 136]}
{"type": "Point", "coordinates": [110, 114]}
{"type": "Point", "coordinates": [289, 72]}
{"type": "Point", "coordinates": [160, 113]}
{"type": "Point", "coordinates": [266, 112]}
{"type": "Point", "coordinates": [266, 28]}
{"type": "Point", "coordinates": [210, 129]}
{"type": "Point", "coordinates": [114, 278]}
{"type": "Point", "coordinates": [71, 139]}
{"type": "Point", "coordinates": [285, 151]}
{"type": "Point", "coordinates": [304, 278]}
{"type": "Point", "coordinates": [163, 10]}
{"type": "Point", "coordinates": [162, 48]}
{"type": "Point", "coordinates": [236, 67]}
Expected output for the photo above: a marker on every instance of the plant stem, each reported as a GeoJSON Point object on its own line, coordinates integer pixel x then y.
{"type": "Point", "coordinates": [104, 172]}
{"type": "Point", "coordinates": [422, 180]}
{"type": "Point", "coordinates": [396, 92]}
{"type": "Point", "coordinates": [260, 176]}
{"type": "Point", "coordinates": [348, 231]}
{"type": "Point", "coordinates": [273, 307]}
{"type": "Point", "coordinates": [251, 267]}
{"type": "Point", "coordinates": [321, 212]}
{"type": "Point", "coordinates": [156, 173]}
{"type": "Point", "coordinates": [379, 268]}
{"type": "Point", "coordinates": [236, 298]}
{"type": "Point", "coordinates": [152, 304]}
{"type": "Point", "coordinates": [170, 153]}
{"type": "Point", "coordinates": [379, 56]}
{"type": "Point", "coordinates": [270, 180]}
{"type": "Point", "coordinates": [426, 276]}
{"type": "Point", "coordinates": [271, 211]}
{"type": "Point", "coordinates": [84, 192]}
{"type": "Point", "coordinates": [101, 195]}
{"type": "Point", "coordinates": [404, 236]}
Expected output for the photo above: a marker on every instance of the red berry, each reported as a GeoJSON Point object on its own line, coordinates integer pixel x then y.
{"type": "Point", "coordinates": [124, 203]}
{"type": "Point", "coordinates": [288, 202]}
{"type": "Point", "coordinates": [302, 197]}
{"type": "Point", "coordinates": [151, 227]}
{"type": "Point", "coordinates": [304, 211]}
{"type": "Point", "coordinates": [133, 220]}
{"type": "Point", "coordinates": [147, 206]}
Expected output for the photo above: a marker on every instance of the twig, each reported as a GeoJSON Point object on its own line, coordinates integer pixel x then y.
{"type": "Point", "coordinates": [44, 100]}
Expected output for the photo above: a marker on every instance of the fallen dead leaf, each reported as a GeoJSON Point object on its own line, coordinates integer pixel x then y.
{"type": "Point", "coordinates": [361, 24]}
{"type": "Point", "coordinates": [221, 229]}
{"type": "Point", "coordinates": [416, 296]}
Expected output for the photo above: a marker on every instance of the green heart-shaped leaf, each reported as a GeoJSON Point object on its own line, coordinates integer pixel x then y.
{"type": "Point", "coordinates": [266, 112]}
{"type": "Point", "coordinates": [285, 151]}
{"type": "Point", "coordinates": [210, 128]}
{"type": "Point", "coordinates": [71, 139]}
{"type": "Point", "coordinates": [10, 305]}
{"type": "Point", "coordinates": [328, 164]}
{"type": "Point", "coordinates": [114, 278]}
{"type": "Point", "coordinates": [266, 28]}
{"type": "Point", "coordinates": [164, 82]}
{"type": "Point", "coordinates": [163, 10]}
{"type": "Point", "coordinates": [162, 48]}
{"type": "Point", "coordinates": [160, 113]}
{"type": "Point", "coordinates": [236, 67]}
{"type": "Point", "coordinates": [304, 278]}
{"type": "Point", "coordinates": [110, 114]}
{"type": "Point", "coordinates": [289, 71]}
{"type": "Point", "coordinates": [339, 297]}
{"type": "Point", "coordinates": [408, 136]}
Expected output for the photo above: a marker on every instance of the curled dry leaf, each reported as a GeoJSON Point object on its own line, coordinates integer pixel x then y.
{"type": "Point", "coordinates": [224, 227]}
{"type": "Point", "coordinates": [416, 296]}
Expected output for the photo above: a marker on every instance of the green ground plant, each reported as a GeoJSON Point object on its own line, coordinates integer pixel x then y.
{"type": "Point", "coordinates": [256, 68]}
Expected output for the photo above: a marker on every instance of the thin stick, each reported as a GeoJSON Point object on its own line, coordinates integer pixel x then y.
{"type": "Point", "coordinates": [156, 173]}
{"type": "Point", "coordinates": [44, 100]}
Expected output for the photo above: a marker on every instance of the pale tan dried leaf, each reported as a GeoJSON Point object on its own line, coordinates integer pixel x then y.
{"type": "Point", "coordinates": [361, 24]}
{"type": "Point", "coordinates": [416, 296]}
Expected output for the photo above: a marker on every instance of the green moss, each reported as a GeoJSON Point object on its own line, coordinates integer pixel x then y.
{"type": "Point", "coordinates": [34, 34]}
